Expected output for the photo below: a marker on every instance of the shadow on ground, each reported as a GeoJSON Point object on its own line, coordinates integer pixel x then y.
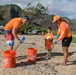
{"type": "Point", "coordinates": [40, 57]}
{"type": "Point", "coordinates": [72, 62]}
{"type": "Point", "coordinates": [54, 54]}
{"type": "Point", "coordinates": [25, 64]}
{"type": "Point", "coordinates": [21, 57]}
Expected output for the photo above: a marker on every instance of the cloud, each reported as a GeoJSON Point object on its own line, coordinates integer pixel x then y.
{"type": "Point", "coordinates": [59, 7]}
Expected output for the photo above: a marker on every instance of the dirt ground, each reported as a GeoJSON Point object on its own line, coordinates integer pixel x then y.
{"type": "Point", "coordinates": [42, 66]}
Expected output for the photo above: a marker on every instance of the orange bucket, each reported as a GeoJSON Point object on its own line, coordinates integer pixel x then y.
{"type": "Point", "coordinates": [9, 58]}
{"type": "Point", "coordinates": [32, 54]}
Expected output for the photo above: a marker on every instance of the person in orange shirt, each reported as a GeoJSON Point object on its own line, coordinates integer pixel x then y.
{"type": "Point", "coordinates": [48, 42]}
{"type": "Point", "coordinates": [63, 35]}
{"type": "Point", "coordinates": [11, 28]}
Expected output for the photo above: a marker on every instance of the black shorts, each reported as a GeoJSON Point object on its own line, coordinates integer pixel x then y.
{"type": "Point", "coordinates": [66, 41]}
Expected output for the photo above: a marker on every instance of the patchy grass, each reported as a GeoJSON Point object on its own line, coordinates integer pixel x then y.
{"type": "Point", "coordinates": [74, 39]}
{"type": "Point", "coordinates": [73, 32]}
{"type": "Point", "coordinates": [54, 31]}
{"type": "Point", "coordinates": [74, 36]}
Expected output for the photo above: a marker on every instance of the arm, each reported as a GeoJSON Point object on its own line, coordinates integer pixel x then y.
{"type": "Point", "coordinates": [63, 30]}
{"type": "Point", "coordinates": [15, 35]}
{"type": "Point", "coordinates": [45, 43]}
{"type": "Point", "coordinates": [52, 37]}
{"type": "Point", "coordinates": [62, 35]}
{"type": "Point", "coordinates": [58, 34]}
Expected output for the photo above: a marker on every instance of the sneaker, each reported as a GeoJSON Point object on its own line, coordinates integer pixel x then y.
{"type": "Point", "coordinates": [47, 57]}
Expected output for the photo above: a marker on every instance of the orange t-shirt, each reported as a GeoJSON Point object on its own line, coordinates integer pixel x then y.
{"type": "Point", "coordinates": [48, 40]}
{"type": "Point", "coordinates": [63, 31]}
{"type": "Point", "coordinates": [14, 23]}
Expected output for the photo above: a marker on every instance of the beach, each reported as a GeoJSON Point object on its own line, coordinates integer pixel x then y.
{"type": "Point", "coordinates": [41, 66]}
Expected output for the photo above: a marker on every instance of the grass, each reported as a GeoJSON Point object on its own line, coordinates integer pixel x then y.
{"type": "Point", "coordinates": [74, 39]}
{"type": "Point", "coordinates": [74, 36]}
{"type": "Point", "coordinates": [54, 31]}
{"type": "Point", "coordinates": [73, 32]}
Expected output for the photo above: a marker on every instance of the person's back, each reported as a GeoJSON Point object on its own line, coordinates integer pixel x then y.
{"type": "Point", "coordinates": [67, 29]}
{"type": "Point", "coordinates": [64, 30]}
{"type": "Point", "coordinates": [15, 22]}
{"type": "Point", "coordinates": [10, 30]}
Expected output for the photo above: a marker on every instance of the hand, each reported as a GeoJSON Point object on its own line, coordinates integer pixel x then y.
{"type": "Point", "coordinates": [57, 36]}
{"type": "Point", "coordinates": [23, 39]}
{"type": "Point", "coordinates": [55, 41]}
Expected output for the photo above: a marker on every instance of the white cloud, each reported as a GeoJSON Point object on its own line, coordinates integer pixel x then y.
{"type": "Point", "coordinates": [59, 7]}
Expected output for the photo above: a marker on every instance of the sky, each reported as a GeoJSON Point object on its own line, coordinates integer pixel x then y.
{"type": "Point", "coordinates": [64, 8]}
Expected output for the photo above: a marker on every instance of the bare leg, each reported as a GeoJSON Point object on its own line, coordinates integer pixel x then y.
{"type": "Point", "coordinates": [48, 55]}
{"type": "Point", "coordinates": [49, 52]}
{"type": "Point", "coordinates": [65, 50]}
{"type": "Point", "coordinates": [10, 47]}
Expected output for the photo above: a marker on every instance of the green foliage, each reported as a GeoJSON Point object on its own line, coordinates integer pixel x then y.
{"type": "Point", "coordinates": [54, 31]}
{"type": "Point", "coordinates": [74, 39]}
{"type": "Point", "coordinates": [43, 30]}
{"type": "Point", "coordinates": [74, 36]}
{"type": "Point", "coordinates": [35, 12]}
{"type": "Point", "coordinates": [24, 28]}
{"type": "Point", "coordinates": [73, 32]}
{"type": "Point", "coordinates": [1, 18]}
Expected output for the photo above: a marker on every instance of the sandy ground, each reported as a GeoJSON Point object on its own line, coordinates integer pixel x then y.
{"type": "Point", "coordinates": [42, 66]}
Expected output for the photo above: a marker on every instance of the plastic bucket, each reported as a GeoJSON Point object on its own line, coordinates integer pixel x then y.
{"type": "Point", "coordinates": [9, 58]}
{"type": "Point", "coordinates": [32, 54]}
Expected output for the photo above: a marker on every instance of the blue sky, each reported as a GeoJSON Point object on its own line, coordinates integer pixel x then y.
{"type": "Point", "coordinates": [64, 8]}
